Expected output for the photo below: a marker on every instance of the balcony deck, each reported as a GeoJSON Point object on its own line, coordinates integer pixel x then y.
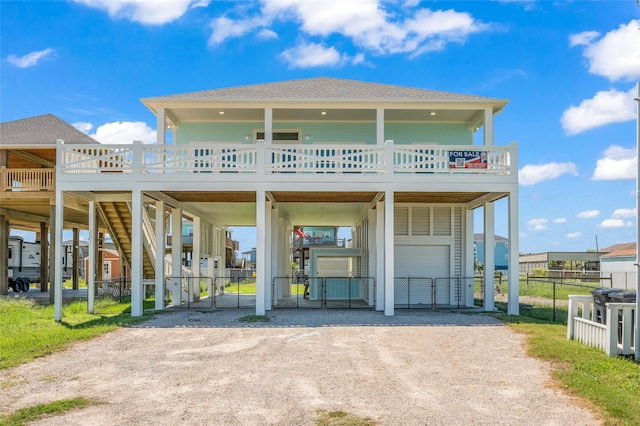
{"type": "Point", "coordinates": [283, 163]}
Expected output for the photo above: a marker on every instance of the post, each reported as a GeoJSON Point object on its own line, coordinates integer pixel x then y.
{"type": "Point", "coordinates": [137, 288]}
{"type": "Point", "coordinates": [44, 256]}
{"type": "Point", "coordinates": [389, 243]}
{"type": "Point", "coordinates": [160, 251]}
{"type": "Point", "coordinates": [91, 267]}
{"type": "Point", "coordinates": [261, 248]}
{"type": "Point", "coordinates": [56, 287]}
{"type": "Point", "coordinates": [489, 257]}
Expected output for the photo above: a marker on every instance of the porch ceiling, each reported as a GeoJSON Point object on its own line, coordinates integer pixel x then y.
{"type": "Point", "coordinates": [437, 197]}
{"type": "Point", "coordinates": [26, 211]}
{"type": "Point", "coordinates": [29, 158]}
{"type": "Point", "coordinates": [304, 208]}
{"type": "Point", "coordinates": [212, 114]}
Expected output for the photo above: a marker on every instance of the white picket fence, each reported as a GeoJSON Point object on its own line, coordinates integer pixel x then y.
{"type": "Point", "coordinates": [614, 338]}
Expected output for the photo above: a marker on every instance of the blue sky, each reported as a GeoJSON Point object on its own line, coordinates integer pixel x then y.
{"type": "Point", "coordinates": [568, 67]}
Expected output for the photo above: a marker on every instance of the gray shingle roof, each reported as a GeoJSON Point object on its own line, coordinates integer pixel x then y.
{"type": "Point", "coordinates": [326, 88]}
{"type": "Point", "coordinates": [42, 130]}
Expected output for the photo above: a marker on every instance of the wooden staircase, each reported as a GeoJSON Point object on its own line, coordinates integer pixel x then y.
{"type": "Point", "coordinates": [116, 218]}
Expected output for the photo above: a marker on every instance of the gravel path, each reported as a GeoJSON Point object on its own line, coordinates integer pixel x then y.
{"type": "Point", "coordinates": [198, 368]}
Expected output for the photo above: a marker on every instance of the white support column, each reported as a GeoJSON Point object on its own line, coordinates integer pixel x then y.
{"type": "Point", "coordinates": [389, 260]}
{"type": "Point", "coordinates": [137, 288]}
{"type": "Point", "coordinates": [469, 258]}
{"type": "Point", "coordinates": [489, 257]}
{"type": "Point", "coordinates": [380, 256]}
{"type": "Point", "coordinates": [160, 253]}
{"type": "Point", "coordinates": [90, 272]}
{"type": "Point", "coordinates": [195, 257]}
{"type": "Point", "coordinates": [273, 254]}
{"type": "Point", "coordinates": [57, 256]}
{"type": "Point", "coordinates": [176, 256]}
{"type": "Point", "coordinates": [162, 127]}
{"type": "Point", "coordinates": [380, 127]}
{"type": "Point", "coordinates": [488, 126]}
{"type": "Point", "coordinates": [261, 248]}
{"type": "Point", "coordinates": [371, 250]}
{"type": "Point", "coordinates": [268, 126]}
{"type": "Point", "coordinates": [513, 306]}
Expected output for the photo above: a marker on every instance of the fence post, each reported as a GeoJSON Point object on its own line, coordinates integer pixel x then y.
{"type": "Point", "coordinates": [554, 301]}
{"type": "Point", "coordinates": [611, 333]}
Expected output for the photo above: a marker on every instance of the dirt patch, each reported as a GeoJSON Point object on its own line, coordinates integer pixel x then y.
{"type": "Point", "coordinates": [415, 368]}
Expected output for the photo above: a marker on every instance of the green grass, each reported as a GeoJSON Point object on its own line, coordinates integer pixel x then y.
{"type": "Point", "coordinates": [29, 331]}
{"type": "Point", "coordinates": [254, 318]}
{"type": "Point", "coordinates": [611, 384]}
{"type": "Point", "coordinates": [30, 414]}
{"type": "Point", "coordinates": [341, 418]}
{"type": "Point", "coordinates": [544, 289]}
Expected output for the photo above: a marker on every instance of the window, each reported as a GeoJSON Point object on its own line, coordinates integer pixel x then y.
{"type": "Point", "coordinates": [280, 136]}
{"type": "Point", "coordinates": [105, 268]}
{"type": "Point", "coordinates": [10, 252]}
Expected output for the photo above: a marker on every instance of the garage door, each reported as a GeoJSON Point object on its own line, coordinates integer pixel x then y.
{"type": "Point", "coordinates": [419, 261]}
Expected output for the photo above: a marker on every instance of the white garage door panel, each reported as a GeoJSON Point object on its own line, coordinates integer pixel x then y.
{"type": "Point", "coordinates": [420, 261]}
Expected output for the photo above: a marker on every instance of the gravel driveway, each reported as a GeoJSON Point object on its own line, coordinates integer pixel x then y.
{"type": "Point", "coordinates": [199, 368]}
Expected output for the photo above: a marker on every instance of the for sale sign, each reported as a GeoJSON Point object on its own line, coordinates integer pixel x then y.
{"type": "Point", "coordinates": [467, 159]}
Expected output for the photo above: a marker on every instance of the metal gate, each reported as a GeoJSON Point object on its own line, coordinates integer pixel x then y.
{"type": "Point", "coordinates": [234, 292]}
{"type": "Point", "coordinates": [326, 292]}
{"type": "Point", "coordinates": [430, 293]}
{"type": "Point", "coordinates": [188, 292]}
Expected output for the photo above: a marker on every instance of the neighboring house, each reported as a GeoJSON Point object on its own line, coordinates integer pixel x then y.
{"type": "Point", "coordinates": [110, 265]}
{"type": "Point", "coordinates": [27, 187]}
{"type": "Point", "coordinates": [400, 166]}
{"type": "Point", "coordinates": [501, 251]}
{"type": "Point", "coordinates": [249, 257]}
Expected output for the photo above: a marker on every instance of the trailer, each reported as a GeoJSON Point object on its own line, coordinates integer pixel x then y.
{"type": "Point", "coordinates": [23, 263]}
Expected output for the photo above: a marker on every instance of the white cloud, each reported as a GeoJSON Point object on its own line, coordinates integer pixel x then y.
{"type": "Point", "coordinates": [147, 12]}
{"type": "Point", "coordinates": [124, 132]}
{"type": "Point", "coordinates": [225, 28]}
{"type": "Point", "coordinates": [620, 213]}
{"type": "Point", "coordinates": [312, 55]}
{"type": "Point", "coordinates": [605, 107]}
{"type": "Point", "coordinates": [574, 234]}
{"type": "Point", "coordinates": [618, 163]}
{"type": "Point", "coordinates": [612, 223]}
{"type": "Point", "coordinates": [366, 23]}
{"type": "Point", "coordinates": [538, 224]}
{"type": "Point", "coordinates": [582, 39]}
{"type": "Point", "coordinates": [560, 220]}
{"type": "Point", "coordinates": [589, 214]}
{"type": "Point", "coordinates": [536, 173]}
{"type": "Point", "coordinates": [266, 34]}
{"type": "Point", "coordinates": [84, 127]}
{"type": "Point", "coordinates": [613, 56]}
{"type": "Point", "coordinates": [30, 59]}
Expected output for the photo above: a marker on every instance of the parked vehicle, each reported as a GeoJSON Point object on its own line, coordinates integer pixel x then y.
{"type": "Point", "coordinates": [24, 263]}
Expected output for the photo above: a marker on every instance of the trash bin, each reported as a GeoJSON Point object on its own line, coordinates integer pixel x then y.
{"type": "Point", "coordinates": [623, 297]}
{"type": "Point", "coordinates": [601, 296]}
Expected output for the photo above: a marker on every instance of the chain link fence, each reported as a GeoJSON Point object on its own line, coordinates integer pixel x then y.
{"type": "Point", "coordinates": [238, 292]}
{"type": "Point", "coordinates": [326, 292]}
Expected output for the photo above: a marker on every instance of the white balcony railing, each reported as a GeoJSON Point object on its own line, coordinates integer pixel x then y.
{"type": "Point", "coordinates": [22, 180]}
{"type": "Point", "coordinates": [265, 159]}
{"type": "Point", "coordinates": [615, 337]}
